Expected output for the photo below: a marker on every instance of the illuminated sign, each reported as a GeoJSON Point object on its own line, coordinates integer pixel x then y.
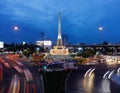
{"type": "Point", "coordinates": [39, 43]}
{"type": "Point", "coordinates": [1, 44]}
{"type": "Point", "coordinates": [47, 43]}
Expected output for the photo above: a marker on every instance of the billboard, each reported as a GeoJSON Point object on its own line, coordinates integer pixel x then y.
{"type": "Point", "coordinates": [1, 44]}
{"type": "Point", "coordinates": [39, 43]}
{"type": "Point", "coordinates": [47, 43]}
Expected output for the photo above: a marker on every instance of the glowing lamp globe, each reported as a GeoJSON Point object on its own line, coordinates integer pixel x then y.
{"type": "Point", "coordinates": [100, 28]}
{"type": "Point", "coordinates": [15, 28]}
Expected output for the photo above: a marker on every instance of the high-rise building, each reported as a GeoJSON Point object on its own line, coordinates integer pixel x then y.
{"type": "Point", "coordinates": [65, 39]}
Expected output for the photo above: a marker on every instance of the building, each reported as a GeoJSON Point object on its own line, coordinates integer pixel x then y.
{"type": "Point", "coordinates": [65, 39]}
{"type": "Point", "coordinates": [1, 44]}
{"type": "Point", "coordinates": [46, 44]}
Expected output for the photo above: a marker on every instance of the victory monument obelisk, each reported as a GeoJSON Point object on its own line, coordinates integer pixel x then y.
{"type": "Point", "coordinates": [59, 49]}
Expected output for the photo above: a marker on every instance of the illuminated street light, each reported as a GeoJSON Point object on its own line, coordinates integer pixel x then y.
{"type": "Point", "coordinates": [15, 28]}
{"type": "Point", "coordinates": [23, 43]}
{"type": "Point", "coordinates": [100, 28]}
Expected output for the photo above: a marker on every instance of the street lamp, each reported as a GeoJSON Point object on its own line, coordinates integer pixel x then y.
{"type": "Point", "coordinates": [100, 28]}
{"type": "Point", "coordinates": [15, 28]}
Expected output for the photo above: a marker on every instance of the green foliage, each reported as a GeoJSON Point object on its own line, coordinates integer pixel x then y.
{"type": "Point", "coordinates": [80, 54]}
{"type": "Point", "coordinates": [26, 52]}
{"type": "Point", "coordinates": [86, 53]}
{"type": "Point", "coordinates": [27, 49]}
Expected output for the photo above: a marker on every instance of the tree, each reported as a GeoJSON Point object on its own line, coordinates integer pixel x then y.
{"type": "Point", "coordinates": [105, 43]}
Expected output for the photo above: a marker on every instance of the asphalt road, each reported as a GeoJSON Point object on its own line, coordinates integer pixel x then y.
{"type": "Point", "coordinates": [93, 79]}
{"type": "Point", "coordinates": [99, 78]}
{"type": "Point", "coordinates": [32, 82]}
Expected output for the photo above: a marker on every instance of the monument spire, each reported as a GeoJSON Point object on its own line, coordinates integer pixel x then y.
{"type": "Point", "coordinates": [59, 38]}
{"type": "Point", "coordinates": [59, 49]}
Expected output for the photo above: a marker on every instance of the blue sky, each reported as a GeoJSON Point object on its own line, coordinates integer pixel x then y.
{"type": "Point", "coordinates": [80, 20]}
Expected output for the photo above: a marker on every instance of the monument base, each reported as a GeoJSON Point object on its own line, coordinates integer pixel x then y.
{"type": "Point", "coordinates": [59, 50]}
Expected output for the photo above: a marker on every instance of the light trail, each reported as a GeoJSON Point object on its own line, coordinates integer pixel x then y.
{"type": "Point", "coordinates": [87, 72]}
{"type": "Point", "coordinates": [18, 69]}
{"type": "Point", "coordinates": [106, 74]}
{"type": "Point", "coordinates": [27, 88]}
{"type": "Point", "coordinates": [14, 85]}
{"type": "Point", "coordinates": [118, 70]}
{"type": "Point", "coordinates": [111, 74]}
{"type": "Point", "coordinates": [91, 72]}
{"type": "Point", "coordinates": [28, 75]}
{"type": "Point", "coordinates": [34, 88]}
{"type": "Point", "coordinates": [19, 63]}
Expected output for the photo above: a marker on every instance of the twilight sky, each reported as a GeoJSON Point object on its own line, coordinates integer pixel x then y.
{"type": "Point", "coordinates": [80, 20]}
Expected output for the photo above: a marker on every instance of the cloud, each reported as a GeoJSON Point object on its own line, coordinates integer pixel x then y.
{"type": "Point", "coordinates": [79, 17]}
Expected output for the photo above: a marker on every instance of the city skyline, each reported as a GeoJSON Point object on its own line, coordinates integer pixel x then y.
{"type": "Point", "coordinates": [82, 21]}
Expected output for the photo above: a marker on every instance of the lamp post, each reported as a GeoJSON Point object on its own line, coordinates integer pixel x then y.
{"type": "Point", "coordinates": [15, 28]}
